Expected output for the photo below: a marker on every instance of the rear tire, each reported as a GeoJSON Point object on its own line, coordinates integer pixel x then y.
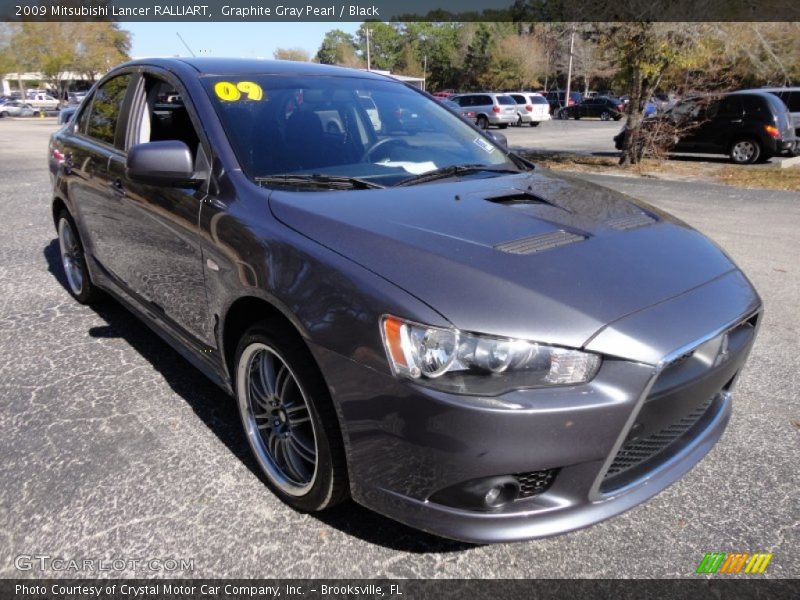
{"type": "Point", "coordinates": [73, 261]}
{"type": "Point", "coordinates": [289, 419]}
{"type": "Point", "coordinates": [4, 114]}
{"type": "Point", "coordinates": [535, 123]}
{"type": "Point", "coordinates": [503, 125]}
{"type": "Point", "coordinates": [745, 151]}
{"type": "Point", "coordinates": [482, 122]}
{"type": "Point", "coordinates": [605, 116]}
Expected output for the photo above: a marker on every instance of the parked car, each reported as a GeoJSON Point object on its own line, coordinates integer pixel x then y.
{"type": "Point", "coordinates": [532, 108]}
{"type": "Point", "coordinates": [602, 107]}
{"type": "Point", "coordinates": [427, 324]}
{"type": "Point", "coordinates": [791, 98]}
{"type": "Point", "coordinates": [556, 100]}
{"type": "Point", "coordinates": [444, 94]}
{"type": "Point", "coordinates": [65, 114]}
{"type": "Point", "coordinates": [75, 98]}
{"type": "Point", "coordinates": [15, 108]}
{"type": "Point", "coordinates": [470, 115]}
{"type": "Point", "coordinates": [42, 101]}
{"type": "Point", "coordinates": [664, 101]}
{"type": "Point", "coordinates": [489, 108]}
{"type": "Point", "coordinates": [747, 126]}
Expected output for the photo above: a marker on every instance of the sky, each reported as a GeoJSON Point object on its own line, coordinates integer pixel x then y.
{"type": "Point", "coordinates": [250, 40]}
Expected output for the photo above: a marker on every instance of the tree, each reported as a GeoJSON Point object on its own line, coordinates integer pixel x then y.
{"type": "Point", "coordinates": [296, 54]}
{"type": "Point", "coordinates": [385, 45]}
{"type": "Point", "coordinates": [642, 53]}
{"type": "Point", "coordinates": [100, 46]}
{"type": "Point", "coordinates": [338, 48]}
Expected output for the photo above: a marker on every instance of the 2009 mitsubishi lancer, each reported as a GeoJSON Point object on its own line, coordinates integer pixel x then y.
{"type": "Point", "coordinates": [407, 313]}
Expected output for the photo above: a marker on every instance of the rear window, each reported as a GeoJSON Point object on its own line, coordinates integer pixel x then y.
{"type": "Point", "coordinates": [792, 100]}
{"type": "Point", "coordinates": [519, 99]}
{"type": "Point", "coordinates": [538, 100]}
{"type": "Point", "coordinates": [505, 100]}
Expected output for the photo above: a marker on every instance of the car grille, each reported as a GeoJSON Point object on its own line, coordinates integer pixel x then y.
{"type": "Point", "coordinates": [535, 482]}
{"type": "Point", "coordinates": [685, 398]}
{"type": "Point", "coordinates": [637, 451]}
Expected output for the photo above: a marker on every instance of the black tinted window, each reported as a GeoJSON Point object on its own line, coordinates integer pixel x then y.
{"type": "Point", "coordinates": [792, 100]}
{"type": "Point", "coordinates": [106, 108]}
{"type": "Point", "coordinates": [519, 99]}
{"type": "Point", "coordinates": [538, 100]}
{"type": "Point", "coordinates": [505, 100]}
{"type": "Point", "coordinates": [754, 105]}
{"type": "Point", "coordinates": [731, 107]}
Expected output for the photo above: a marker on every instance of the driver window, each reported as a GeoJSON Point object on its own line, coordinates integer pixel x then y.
{"type": "Point", "coordinates": [164, 117]}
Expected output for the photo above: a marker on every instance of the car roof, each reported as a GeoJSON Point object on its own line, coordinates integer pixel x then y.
{"type": "Point", "coordinates": [251, 66]}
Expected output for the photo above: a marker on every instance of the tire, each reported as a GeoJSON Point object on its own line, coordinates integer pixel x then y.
{"type": "Point", "coordinates": [535, 123]}
{"type": "Point", "coordinates": [605, 116]}
{"type": "Point", "coordinates": [745, 151]}
{"type": "Point", "coordinates": [562, 114]}
{"type": "Point", "coordinates": [289, 421]}
{"type": "Point", "coordinates": [519, 121]}
{"type": "Point", "coordinates": [73, 261]}
{"type": "Point", "coordinates": [617, 117]}
{"type": "Point", "coordinates": [503, 125]}
{"type": "Point", "coordinates": [482, 122]}
{"type": "Point", "coordinates": [577, 117]}
{"type": "Point", "coordinates": [4, 114]}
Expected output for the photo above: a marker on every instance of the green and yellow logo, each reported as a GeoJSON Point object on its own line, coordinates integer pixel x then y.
{"type": "Point", "coordinates": [741, 562]}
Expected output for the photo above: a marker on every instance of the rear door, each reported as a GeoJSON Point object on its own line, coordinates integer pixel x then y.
{"type": "Point", "coordinates": [97, 138]}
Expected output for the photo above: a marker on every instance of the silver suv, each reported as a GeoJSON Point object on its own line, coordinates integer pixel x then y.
{"type": "Point", "coordinates": [489, 108]}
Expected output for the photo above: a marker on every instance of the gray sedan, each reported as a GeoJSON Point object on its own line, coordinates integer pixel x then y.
{"type": "Point", "coordinates": [15, 108]}
{"type": "Point", "coordinates": [406, 313]}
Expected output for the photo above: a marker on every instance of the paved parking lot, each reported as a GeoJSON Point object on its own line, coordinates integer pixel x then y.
{"type": "Point", "coordinates": [113, 447]}
{"type": "Point", "coordinates": [585, 136]}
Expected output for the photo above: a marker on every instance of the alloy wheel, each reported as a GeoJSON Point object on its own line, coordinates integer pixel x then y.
{"type": "Point", "coordinates": [71, 256]}
{"type": "Point", "coordinates": [277, 419]}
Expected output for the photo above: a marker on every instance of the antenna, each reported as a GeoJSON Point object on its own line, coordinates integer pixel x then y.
{"type": "Point", "coordinates": [185, 44]}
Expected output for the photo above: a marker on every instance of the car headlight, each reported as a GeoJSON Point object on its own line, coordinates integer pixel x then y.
{"type": "Point", "coordinates": [469, 363]}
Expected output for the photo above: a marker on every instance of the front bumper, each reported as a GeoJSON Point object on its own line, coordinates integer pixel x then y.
{"type": "Point", "coordinates": [406, 442]}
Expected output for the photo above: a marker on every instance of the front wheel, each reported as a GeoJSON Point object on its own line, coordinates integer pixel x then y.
{"type": "Point", "coordinates": [503, 125]}
{"type": "Point", "coordinates": [73, 260]}
{"type": "Point", "coordinates": [605, 116]}
{"type": "Point", "coordinates": [289, 419]}
{"type": "Point", "coordinates": [745, 151]}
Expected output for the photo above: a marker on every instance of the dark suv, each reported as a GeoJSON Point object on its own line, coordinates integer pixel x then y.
{"type": "Point", "coordinates": [747, 126]}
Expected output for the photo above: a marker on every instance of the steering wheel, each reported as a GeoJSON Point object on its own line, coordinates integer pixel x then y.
{"type": "Point", "coordinates": [383, 144]}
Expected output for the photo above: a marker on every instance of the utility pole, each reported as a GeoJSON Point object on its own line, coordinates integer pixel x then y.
{"type": "Point", "coordinates": [366, 33]}
{"type": "Point", "coordinates": [569, 68]}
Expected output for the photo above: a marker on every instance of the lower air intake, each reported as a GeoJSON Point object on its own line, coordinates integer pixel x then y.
{"type": "Point", "coordinates": [535, 482]}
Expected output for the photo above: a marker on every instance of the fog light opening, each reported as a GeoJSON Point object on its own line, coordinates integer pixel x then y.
{"type": "Point", "coordinates": [501, 494]}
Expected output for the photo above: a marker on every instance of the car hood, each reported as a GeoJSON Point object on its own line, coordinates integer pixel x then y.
{"type": "Point", "coordinates": [535, 256]}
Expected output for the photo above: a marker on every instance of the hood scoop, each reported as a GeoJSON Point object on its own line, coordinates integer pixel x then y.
{"type": "Point", "coordinates": [516, 197]}
{"type": "Point", "coordinates": [540, 242]}
{"type": "Point", "coordinates": [631, 222]}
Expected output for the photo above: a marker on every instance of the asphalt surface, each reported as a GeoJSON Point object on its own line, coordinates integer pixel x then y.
{"type": "Point", "coordinates": [113, 447]}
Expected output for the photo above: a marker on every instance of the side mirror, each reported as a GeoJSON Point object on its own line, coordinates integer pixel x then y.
{"type": "Point", "coordinates": [499, 138]}
{"type": "Point", "coordinates": [166, 163]}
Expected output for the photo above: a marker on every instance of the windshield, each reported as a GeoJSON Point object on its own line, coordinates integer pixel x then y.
{"type": "Point", "coordinates": [376, 131]}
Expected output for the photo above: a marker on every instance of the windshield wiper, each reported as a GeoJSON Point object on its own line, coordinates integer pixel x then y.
{"type": "Point", "coordinates": [334, 182]}
{"type": "Point", "coordinates": [452, 171]}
